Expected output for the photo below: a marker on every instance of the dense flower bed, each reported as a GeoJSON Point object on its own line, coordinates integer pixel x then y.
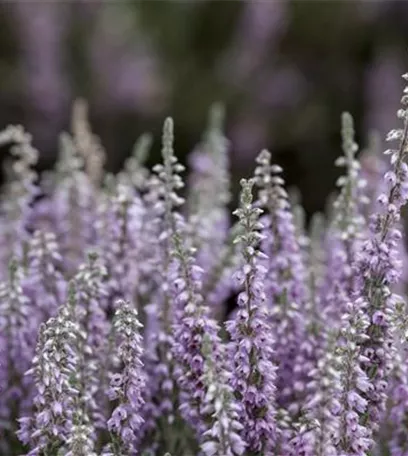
{"type": "Point", "coordinates": [114, 339]}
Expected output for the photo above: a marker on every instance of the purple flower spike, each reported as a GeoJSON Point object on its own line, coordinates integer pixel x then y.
{"type": "Point", "coordinates": [125, 422]}
{"type": "Point", "coordinates": [91, 293]}
{"type": "Point", "coordinates": [347, 231]}
{"type": "Point", "coordinates": [191, 324]}
{"type": "Point", "coordinates": [55, 372]}
{"type": "Point", "coordinates": [20, 191]}
{"type": "Point", "coordinates": [251, 348]}
{"type": "Point", "coordinates": [285, 279]}
{"type": "Point", "coordinates": [209, 192]}
{"type": "Point", "coordinates": [380, 266]}
{"type": "Point", "coordinates": [19, 322]}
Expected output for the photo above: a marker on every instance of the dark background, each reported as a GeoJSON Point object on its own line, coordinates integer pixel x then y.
{"type": "Point", "coordinates": [284, 69]}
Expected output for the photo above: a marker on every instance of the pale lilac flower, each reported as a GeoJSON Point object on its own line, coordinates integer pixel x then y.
{"type": "Point", "coordinates": [320, 436]}
{"type": "Point", "coordinates": [94, 360]}
{"type": "Point", "coordinates": [160, 272]}
{"type": "Point", "coordinates": [126, 421]}
{"type": "Point", "coordinates": [55, 373]}
{"type": "Point", "coordinates": [80, 441]}
{"type": "Point", "coordinates": [44, 283]}
{"type": "Point", "coordinates": [20, 191]}
{"type": "Point", "coordinates": [73, 202]}
{"type": "Point", "coordinates": [134, 171]}
{"type": "Point", "coordinates": [209, 192]}
{"type": "Point", "coordinates": [347, 230]}
{"type": "Point", "coordinates": [120, 237]}
{"type": "Point", "coordinates": [354, 436]}
{"type": "Point", "coordinates": [223, 437]}
{"type": "Point", "coordinates": [380, 266]}
{"type": "Point", "coordinates": [191, 324]}
{"type": "Point", "coordinates": [18, 332]}
{"type": "Point", "coordinates": [285, 278]}
{"type": "Point", "coordinates": [251, 348]}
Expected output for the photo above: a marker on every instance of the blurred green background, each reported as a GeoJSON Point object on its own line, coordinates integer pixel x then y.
{"type": "Point", "coordinates": [284, 69]}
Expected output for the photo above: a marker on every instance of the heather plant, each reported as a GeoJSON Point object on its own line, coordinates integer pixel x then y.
{"type": "Point", "coordinates": [126, 387]}
{"type": "Point", "coordinates": [284, 278]}
{"type": "Point", "coordinates": [115, 337]}
{"type": "Point", "coordinates": [347, 228]}
{"type": "Point", "coordinates": [253, 374]}
{"type": "Point", "coordinates": [18, 194]}
{"type": "Point", "coordinates": [209, 191]}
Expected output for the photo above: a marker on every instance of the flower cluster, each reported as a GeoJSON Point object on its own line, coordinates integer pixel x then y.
{"type": "Point", "coordinates": [252, 345]}
{"type": "Point", "coordinates": [223, 437]}
{"type": "Point", "coordinates": [127, 386]}
{"type": "Point", "coordinates": [55, 370]}
{"type": "Point", "coordinates": [284, 276]}
{"type": "Point", "coordinates": [381, 268]}
{"type": "Point", "coordinates": [134, 324]}
{"type": "Point", "coordinates": [346, 231]}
